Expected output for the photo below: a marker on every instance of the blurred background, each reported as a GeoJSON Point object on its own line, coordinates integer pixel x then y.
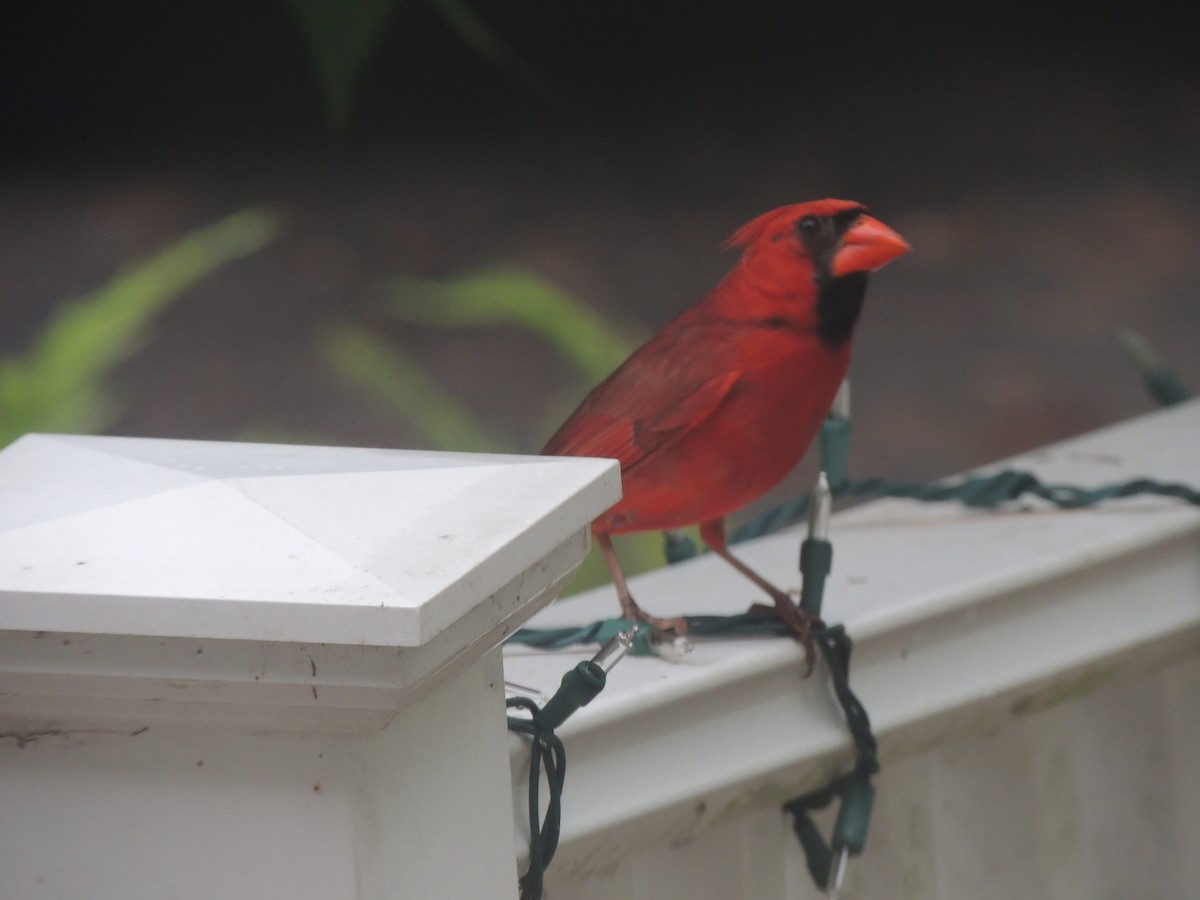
{"type": "Point", "coordinates": [436, 223]}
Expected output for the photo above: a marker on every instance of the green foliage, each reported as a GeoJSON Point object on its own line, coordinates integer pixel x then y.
{"type": "Point", "coordinates": [516, 299]}
{"type": "Point", "coordinates": [57, 384]}
{"type": "Point", "coordinates": [496, 298]}
{"type": "Point", "coordinates": [398, 384]}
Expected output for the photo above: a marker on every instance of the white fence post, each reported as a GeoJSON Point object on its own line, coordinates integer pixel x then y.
{"type": "Point", "coordinates": [234, 670]}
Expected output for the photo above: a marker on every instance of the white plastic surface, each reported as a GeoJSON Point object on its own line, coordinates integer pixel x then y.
{"type": "Point", "coordinates": [966, 623]}
{"type": "Point", "coordinates": [267, 586]}
{"type": "Point", "coordinates": [134, 536]}
{"type": "Point", "coordinates": [419, 809]}
{"type": "Point", "coordinates": [336, 612]}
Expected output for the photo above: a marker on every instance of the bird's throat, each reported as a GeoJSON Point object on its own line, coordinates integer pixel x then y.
{"type": "Point", "coordinates": [839, 302]}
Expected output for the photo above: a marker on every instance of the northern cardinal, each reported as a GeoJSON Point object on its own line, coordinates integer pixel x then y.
{"type": "Point", "coordinates": [719, 406]}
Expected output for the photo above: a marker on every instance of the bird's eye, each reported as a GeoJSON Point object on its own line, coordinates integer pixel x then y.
{"type": "Point", "coordinates": [808, 225]}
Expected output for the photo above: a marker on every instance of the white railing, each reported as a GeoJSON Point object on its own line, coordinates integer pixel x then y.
{"type": "Point", "coordinates": [251, 671]}
{"type": "Point", "coordinates": [1032, 675]}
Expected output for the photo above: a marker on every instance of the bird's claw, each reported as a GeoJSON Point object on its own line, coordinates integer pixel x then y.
{"type": "Point", "coordinates": [676, 625]}
{"type": "Point", "coordinates": [800, 621]}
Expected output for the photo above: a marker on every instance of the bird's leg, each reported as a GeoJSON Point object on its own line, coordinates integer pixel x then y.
{"type": "Point", "coordinates": [799, 620]}
{"type": "Point", "coordinates": [629, 607]}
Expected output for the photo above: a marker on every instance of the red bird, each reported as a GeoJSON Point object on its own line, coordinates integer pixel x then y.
{"type": "Point", "coordinates": [719, 406]}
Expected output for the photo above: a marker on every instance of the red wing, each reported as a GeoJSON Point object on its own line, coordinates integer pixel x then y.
{"type": "Point", "coordinates": [638, 409]}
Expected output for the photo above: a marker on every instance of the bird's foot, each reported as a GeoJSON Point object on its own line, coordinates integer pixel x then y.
{"type": "Point", "coordinates": [799, 620]}
{"type": "Point", "coordinates": [677, 624]}
{"type": "Point", "coordinates": [773, 608]}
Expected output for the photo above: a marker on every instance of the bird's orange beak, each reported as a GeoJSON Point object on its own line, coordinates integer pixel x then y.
{"type": "Point", "coordinates": [867, 246]}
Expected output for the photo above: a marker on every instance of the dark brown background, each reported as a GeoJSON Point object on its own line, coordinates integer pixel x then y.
{"type": "Point", "coordinates": [1044, 169]}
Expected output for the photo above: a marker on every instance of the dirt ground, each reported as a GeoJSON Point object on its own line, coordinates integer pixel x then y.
{"type": "Point", "coordinates": [1050, 197]}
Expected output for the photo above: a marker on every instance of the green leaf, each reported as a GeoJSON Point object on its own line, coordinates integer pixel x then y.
{"type": "Point", "coordinates": [519, 299]}
{"type": "Point", "coordinates": [57, 384]}
{"type": "Point", "coordinates": [399, 384]}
